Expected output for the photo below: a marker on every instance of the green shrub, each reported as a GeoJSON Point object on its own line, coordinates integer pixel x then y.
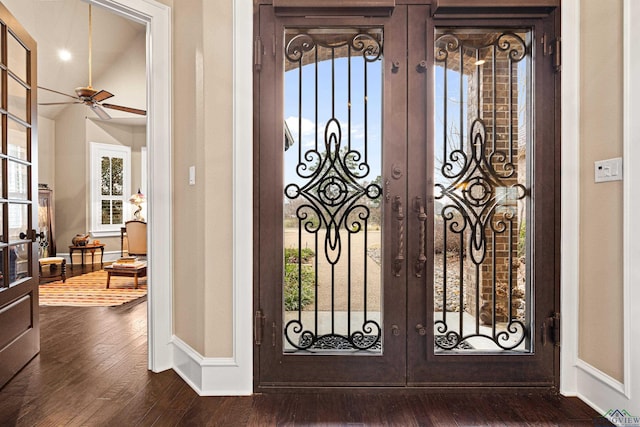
{"type": "Point", "coordinates": [291, 286]}
{"type": "Point", "coordinates": [291, 255]}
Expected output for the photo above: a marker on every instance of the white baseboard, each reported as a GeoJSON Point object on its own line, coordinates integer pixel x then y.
{"type": "Point", "coordinates": [209, 376]}
{"type": "Point", "coordinates": [599, 390]}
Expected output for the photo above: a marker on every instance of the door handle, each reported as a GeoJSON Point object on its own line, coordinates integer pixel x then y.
{"type": "Point", "coordinates": [31, 235]}
{"type": "Point", "coordinates": [421, 329]}
{"type": "Point", "coordinates": [395, 330]}
{"type": "Point", "coordinates": [421, 261]}
{"type": "Point", "coordinates": [397, 262]}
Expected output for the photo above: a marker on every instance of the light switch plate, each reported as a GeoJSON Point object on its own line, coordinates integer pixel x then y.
{"type": "Point", "coordinates": [608, 170]}
{"type": "Point", "coordinates": [192, 175]}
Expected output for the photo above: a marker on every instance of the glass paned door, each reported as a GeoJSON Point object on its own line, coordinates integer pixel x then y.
{"type": "Point", "coordinates": [19, 324]}
{"type": "Point", "coordinates": [405, 210]}
{"type": "Point", "coordinates": [482, 174]}
{"type": "Point", "coordinates": [328, 311]}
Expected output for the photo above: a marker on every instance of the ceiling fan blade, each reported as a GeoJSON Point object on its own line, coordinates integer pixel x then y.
{"type": "Point", "coordinates": [101, 96]}
{"type": "Point", "coordinates": [126, 109]}
{"type": "Point", "coordinates": [58, 92]}
{"type": "Point", "coordinates": [100, 112]}
{"type": "Point", "coordinates": [59, 103]}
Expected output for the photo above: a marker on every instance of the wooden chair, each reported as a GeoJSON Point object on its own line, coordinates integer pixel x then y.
{"type": "Point", "coordinates": [136, 237]}
{"type": "Point", "coordinates": [54, 263]}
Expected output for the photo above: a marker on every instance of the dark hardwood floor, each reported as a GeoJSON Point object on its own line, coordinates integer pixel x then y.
{"type": "Point", "coordinates": [91, 371]}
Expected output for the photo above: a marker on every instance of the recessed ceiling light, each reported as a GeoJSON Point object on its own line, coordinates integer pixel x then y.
{"type": "Point", "coordinates": [64, 55]}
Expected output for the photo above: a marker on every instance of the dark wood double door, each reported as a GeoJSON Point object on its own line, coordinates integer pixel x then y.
{"type": "Point", "coordinates": [405, 198]}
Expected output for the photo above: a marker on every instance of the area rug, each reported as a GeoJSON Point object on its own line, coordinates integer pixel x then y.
{"type": "Point", "coordinates": [90, 290]}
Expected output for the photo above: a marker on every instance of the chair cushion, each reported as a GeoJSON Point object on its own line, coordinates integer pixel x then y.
{"type": "Point", "coordinates": [51, 260]}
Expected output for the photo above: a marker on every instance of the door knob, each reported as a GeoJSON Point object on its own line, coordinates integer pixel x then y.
{"type": "Point", "coordinates": [422, 330]}
{"type": "Point", "coordinates": [31, 235]}
{"type": "Point", "coordinates": [395, 330]}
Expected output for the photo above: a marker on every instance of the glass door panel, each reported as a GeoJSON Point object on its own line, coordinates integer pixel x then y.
{"type": "Point", "coordinates": [18, 180]}
{"type": "Point", "coordinates": [481, 191]}
{"type": "Point", "coordinates": [17, 140]}
{"type": "Point", "coordinates": [332, 284]}
{"type": "Point", "coordinates": [16, 57]}
{"type": "Point", "coordinates": [17, 98]}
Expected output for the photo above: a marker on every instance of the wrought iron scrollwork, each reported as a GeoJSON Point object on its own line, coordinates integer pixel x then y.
{"type": "Point", "coordinates": [333, 189]}
{"type": "Point", "coordinates": [478, 188]}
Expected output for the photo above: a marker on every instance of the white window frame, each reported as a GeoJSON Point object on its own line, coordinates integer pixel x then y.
{"type": "Point", "coordinates": [97, 150]}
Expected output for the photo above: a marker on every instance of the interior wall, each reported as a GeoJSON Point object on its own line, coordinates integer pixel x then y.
{"type": "Point", "coordinates": [203, 282]}
{"type": "Point", "coordinates": [46, 151]}
{"type": "Point", "coordinates": [601, 220]}
{"type": "Point", "coordinates": [70, 194]}
{"type": "Point", "coordinates": [191, 250]}
{"type": "Point", "coordinates": [139, 140]}
{"type": "Point", "coordinates": [127, 80]}
{"type": "Point", "coordinates": [218, 159]}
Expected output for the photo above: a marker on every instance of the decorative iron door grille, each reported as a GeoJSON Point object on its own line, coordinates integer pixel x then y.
{"type": "Point", "coordinates": [482, 137]}
{"type": "Point", "coordinates": [332, 169]}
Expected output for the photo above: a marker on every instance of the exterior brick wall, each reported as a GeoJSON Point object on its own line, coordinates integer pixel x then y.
{"type": "Point", "coordinates": [500, 265]}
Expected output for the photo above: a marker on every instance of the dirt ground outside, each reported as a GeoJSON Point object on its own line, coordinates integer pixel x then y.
{"type": "Point", "coordinates": [344, 273]}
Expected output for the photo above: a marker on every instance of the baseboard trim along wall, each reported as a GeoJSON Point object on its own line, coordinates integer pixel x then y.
{"type": "Point", "coordinates": [599, 390]}
{"type": "Point", "coordinates": [208, 376]}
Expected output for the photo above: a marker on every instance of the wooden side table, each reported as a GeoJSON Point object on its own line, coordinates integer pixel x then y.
{"type": "Point", "coordinates": [83, 249]}
{"type": "Point", "coordinates": [139, 271]}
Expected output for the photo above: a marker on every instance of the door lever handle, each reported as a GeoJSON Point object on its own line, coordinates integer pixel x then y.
{"type": "Point", "coordinates": [397, 262]}
{"type": "Point", "coordinates": [421, 261]}
{"type": "Point", "coordinates": [31, 235]}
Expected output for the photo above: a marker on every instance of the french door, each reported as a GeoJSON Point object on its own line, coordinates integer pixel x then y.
{"type": "Point", "coordinates": [19, 323]}
{"type": "Point", "coordinates": [405, 199]}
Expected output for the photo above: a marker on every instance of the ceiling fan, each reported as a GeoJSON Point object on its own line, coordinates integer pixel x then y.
{"type": "Point", "coordinates": [91, 97]}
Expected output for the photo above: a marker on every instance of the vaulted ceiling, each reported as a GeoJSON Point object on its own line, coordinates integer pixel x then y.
{"type": "Point", "coordinates": [63, 24]}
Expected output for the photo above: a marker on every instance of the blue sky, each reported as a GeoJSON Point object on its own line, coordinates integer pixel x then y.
{"type": "Point", "coordinates": [301, 118]}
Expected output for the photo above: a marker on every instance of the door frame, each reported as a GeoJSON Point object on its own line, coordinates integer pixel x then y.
{"type": "Point", "coordinates": [531, 12]}
{"type": "Point", "coordinates": [157, 19]}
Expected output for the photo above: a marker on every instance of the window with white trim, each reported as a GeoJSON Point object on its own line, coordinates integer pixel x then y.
{"type": "Point", "coordinates": [110, 187]}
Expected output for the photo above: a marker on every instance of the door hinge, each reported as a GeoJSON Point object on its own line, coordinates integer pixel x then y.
{"type": "Point", "coordinates": [551, 329]}
{"type": "Point", "coordinates": [258, 51]}
{"type": "Point", "coordinates": [557, 58]}
{"type": "Point", "coordinates": [258, 327]}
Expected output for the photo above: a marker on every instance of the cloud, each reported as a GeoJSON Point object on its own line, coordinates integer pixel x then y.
{"type": "Point", "coordinates": [308, 128]}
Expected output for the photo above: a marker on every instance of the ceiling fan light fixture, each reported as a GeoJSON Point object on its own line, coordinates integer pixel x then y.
{"type": "Point", "coordinates": [85, 92]}
{"type": "Point", "coordinates": [91, 97]}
